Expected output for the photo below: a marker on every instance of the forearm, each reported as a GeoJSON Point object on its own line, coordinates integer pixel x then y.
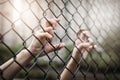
{"type": "Point", "coordinates": [11, 67]}
{"type": "Point", "coordinates": [68, 72]}
{"type": "Point", "coordinates": [83, 45]}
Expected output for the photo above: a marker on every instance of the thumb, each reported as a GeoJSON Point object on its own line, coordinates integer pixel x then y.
{"type": "Point", "coordinates": [59, 46]}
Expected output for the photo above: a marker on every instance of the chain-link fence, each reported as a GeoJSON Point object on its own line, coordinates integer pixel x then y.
{"type": "Point", "coordinates": [20, 18]}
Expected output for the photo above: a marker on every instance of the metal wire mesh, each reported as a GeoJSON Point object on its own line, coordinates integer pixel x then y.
{"type": "Point", "coordinates": [20, 18]}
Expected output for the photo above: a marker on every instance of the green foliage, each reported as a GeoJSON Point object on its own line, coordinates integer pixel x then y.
{"type": "Point", "coordinates": [34, 73]}
{"type": "Point", "coordinates": [110, 56]}
{"type": "Point", "coordinates": [40, 73]}
{"type": "Point", "coordinates": [6, 54]}
{"type": "Point", "coordinates": [68, 51]}
{"type": "Point", "coordinates": [111, 46]}
{"type": "Point", "coordinates": [101, 60]}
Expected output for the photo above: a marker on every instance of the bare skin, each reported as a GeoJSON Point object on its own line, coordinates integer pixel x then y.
{"type": "Point", "coordinates": [83, 45]}
{"type": "Point", "coordinates": [43, 38]}
{"type": "Point", "coordinates": [11, 67]}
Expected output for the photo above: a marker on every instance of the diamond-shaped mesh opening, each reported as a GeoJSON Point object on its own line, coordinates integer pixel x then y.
{"type": "Point", "coordinates": [20, 19]}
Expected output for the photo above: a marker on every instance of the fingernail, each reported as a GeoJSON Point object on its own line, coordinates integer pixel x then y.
{"type": "Point", "coordinates": [63, 44]}
{"type": "Point", "coordinates": [95, 46]}
{"type": "Point", "coordinates": [58, 19]}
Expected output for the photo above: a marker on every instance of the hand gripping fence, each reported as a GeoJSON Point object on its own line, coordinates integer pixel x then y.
{"type": "Point", "coordinates": [19, 19]}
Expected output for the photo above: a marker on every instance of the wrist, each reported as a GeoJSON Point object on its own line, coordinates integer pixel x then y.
{"type": "Point", "coordinates": [76, 53]}
{"type": "Point", "coordinates": [34, 50]}
{"type": "Point", "coordinates": [24, 57]}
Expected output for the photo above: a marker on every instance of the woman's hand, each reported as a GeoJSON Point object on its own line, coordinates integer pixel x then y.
{"type": "Point", "coordinates": [44, 37]}
{"type": "Point", "coordinates": [83, 44]}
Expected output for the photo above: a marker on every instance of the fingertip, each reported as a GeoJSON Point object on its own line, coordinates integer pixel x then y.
{"type": "Point", "coordinates": [60, 46]}
{"type": "Point", "coordinates": [63, 44]}
{"type": "Point", "coordinates": [86, 33]}
{"type": "Point", "coordinates": [90, 47]}
{"type": "Point", "coordinates": [57, 19]}
{"type": "Point", "coordinates": [90, 40]}
{"type": "Point", "coordinates": [48, 35]}
{"type": "Point", "coordinates": [54, 26]}
{"type": "Point", "coordinates": [95, 46]}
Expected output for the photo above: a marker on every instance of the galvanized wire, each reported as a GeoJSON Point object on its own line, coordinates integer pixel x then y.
{"type": "Point", "coordinates": [19, 20]}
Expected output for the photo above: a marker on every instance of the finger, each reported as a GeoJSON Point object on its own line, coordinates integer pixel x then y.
{"type": "Point", "coordinates": [57, 20]}
{"type": "Point", "coordinates": [49, 30]}
{"type": "Point", "coordinates": [55, 47]}
{"type": "Point", "coordinates": [77, 42]}
{"type": "Point", "coordinates": [90, 41]}
{"type": "Point", "coordinates": [46, 29]}
{"type": "Point", "coordinates": [95, 46]}
{"type": "Point", "coordinates": [44, 35]}
{"type": "Point", "coordinates": [59, 46]}
{"type": "Point", "coordinates": [83, 45]}
{"type": "Point", "coordinates": [91, 47]}
{"type": "Point", "coordinates": [80, 31]}
{"type": "Point", "coordinates": [83, 35]}
{"type": "Point", "coordinates": [52, 22]}
{"type": "Point", "coordinates": [86, 33]}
